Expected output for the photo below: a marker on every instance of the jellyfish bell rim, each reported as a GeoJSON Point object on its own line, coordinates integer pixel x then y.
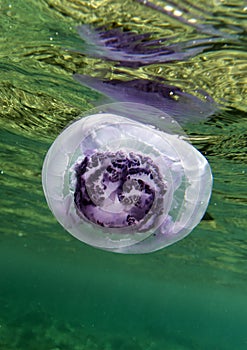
{"type": "Point", "coordinates": [144, 245]}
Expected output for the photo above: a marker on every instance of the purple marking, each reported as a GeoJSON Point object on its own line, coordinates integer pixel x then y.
{"type": "Point", "coordinates": [116, 190]}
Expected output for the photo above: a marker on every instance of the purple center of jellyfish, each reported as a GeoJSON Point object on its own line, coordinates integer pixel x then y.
{"type": "Point", "coordinates": [116, 190]}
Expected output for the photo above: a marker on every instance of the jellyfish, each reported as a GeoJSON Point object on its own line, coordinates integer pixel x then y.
{"type": "Point", "coordinates": [124, 178]}
{"type": "Point", "coordinates": [182, 106]}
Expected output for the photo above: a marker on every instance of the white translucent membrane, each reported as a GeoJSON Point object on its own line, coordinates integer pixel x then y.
{"type": "Point", "coordinates": [140, 129]}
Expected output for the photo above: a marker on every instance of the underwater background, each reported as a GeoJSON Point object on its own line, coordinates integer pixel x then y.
{"type": "Point", "coordinates": [56, 292]}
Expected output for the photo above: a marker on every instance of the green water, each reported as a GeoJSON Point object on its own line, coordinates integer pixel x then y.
{"type": "Point", "coordinates": [56, 292]}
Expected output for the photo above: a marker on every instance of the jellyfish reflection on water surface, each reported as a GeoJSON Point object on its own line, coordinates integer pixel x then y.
{"type": "Point", "coordinates": [134, 50]}
{"type": "Point", "coordinates": [183, 107]}
{"type": "Point", "coordinates": [124, 179]}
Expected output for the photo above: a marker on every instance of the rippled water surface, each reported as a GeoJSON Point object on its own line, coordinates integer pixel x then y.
{"type": "Point", "coordinates": [57, 293]}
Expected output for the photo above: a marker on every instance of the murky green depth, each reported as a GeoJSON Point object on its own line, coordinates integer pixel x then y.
{"type": "Point", "coordinates": [57, 293]}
